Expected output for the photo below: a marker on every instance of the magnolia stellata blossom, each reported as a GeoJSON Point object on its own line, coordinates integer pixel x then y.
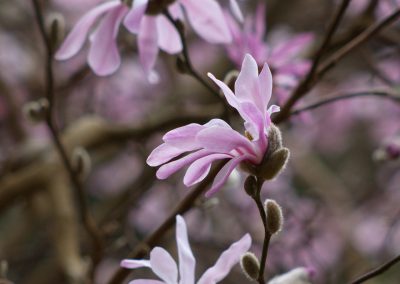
{"type": "Point", "coordinates": [283, 56]}
{"type": "Point", "coordinates": [216, 140]}
{"type": "Point", "coordinates": [298, 275]}
{"type": "Point", "coordinates": [155, 30]}
{"type": "Point", "coordinates": [164, 266]}
{"type": "Point", "coordinates": [104, 57]}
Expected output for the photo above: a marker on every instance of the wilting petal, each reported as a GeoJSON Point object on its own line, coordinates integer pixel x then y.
{"type": "Point", "coordinates": [200, 168]}
{"type": "Point", "coordinates": [168, 36]}
{"type": "Point", "coordinates": [163, 265]}
{"type": "Point", "coordinates": [163, 154]}
{"type": "Point", "coordinates": [135, 263]}
{"type": "Point", "coordinates": [104, 56]}
{"type": "Point", "coordinates": [223, 175]}
{"type": "Point", "coordinates": [222, 140]}
{"type": "Point", "coordinates": [226, 261]}
{"type": "Point", "coordinates": [76, 38]}
{"type": "Point", "coordinates": [148, 43]}
{"type": "Point", "coordinates": [135, 15]}
{"type": "Point", "coordinates": [236, 10]}
{"type": "Point", "coordinates": [168, 169]}
{"type": "Point", "coordinates": [207, 20]}
{"type": "Point", "coordinates": [187, 261]}
{"type": "Point", "coordinates": [184, 137]}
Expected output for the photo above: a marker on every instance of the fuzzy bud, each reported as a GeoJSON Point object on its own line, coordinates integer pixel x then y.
{"type": "Point", "coordinates": [81, 162]}
{"type": "Point", "coordinates": [36, 111]}
{"type": "Point", "coordinates": [56, 28]}
{"type": "Point", "coordinates": [250, 186]}
{"type": "Point", "coordinates": [250, 265]}
{"type": "Point", "coordinates": [275, 163]}
{"type": "Point", "coordinates": [274, 216]}
{"type": "Point", "coordinates": [274, 139]}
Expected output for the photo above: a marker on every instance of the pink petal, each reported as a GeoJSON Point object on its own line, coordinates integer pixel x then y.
{"type": "Point", "coordinates": [183, 137]}
{"type": "Point", "coordinates": [236, 10]}
{"type": "Point", "coordinates": [147, 43]}
{"type": "Point", "coordinates": [104, 56]}
{"type": "Point", "coordinates": [226, 261]}
{"type": "Point", "coordinates": [76, 38]}
{"type": "Point", "coordinates": [187, 261]}
{"type": "Point", "coordinates": [224, 174]}
{"type": "Point", "coordinates": [135, 15]}
{"type": "Point", "coordinates": [200, 168]}
{"type": "Point", "coordinates": [146, 281]}
{"type": "Point", "coordinates": [229, 95]}
{"type": "Point", "coordinates": [168, 169]}
{"type": "Point", "coordinates": [168, 36]}
{"type": "Point", "coordinates": [135, 263]}
{"type": "Point", "coordinates": [265, 85]}
{"type": "Point", "coordinates": [207, 20]}
{"type": "Point", "coordinates": [163, 154]}
{"type": "Point", "coordinates": [222, 140]}
{"type": "Point", "coordinates": [163, 265]}
{"type": "Point", "coordinates": [260, 21]}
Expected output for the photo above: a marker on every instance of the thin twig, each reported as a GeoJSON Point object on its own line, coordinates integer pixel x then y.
{"type": "Point", "coordinates": [323, 102]}
{"type": "Point", "coordinates": [377, 271]}
{"type": "Point", "coordinates": [303, 88]}
{"type": "Point", "coordinates": [185, 205]}
{"type": "Point", "coordinates": [86, 218]}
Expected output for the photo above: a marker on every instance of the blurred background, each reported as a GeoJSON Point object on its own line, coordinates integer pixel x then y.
{"type": "Point", "coordinates": [340, 192]}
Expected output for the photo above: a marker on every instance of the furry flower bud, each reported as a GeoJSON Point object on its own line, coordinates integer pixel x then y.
{"type": "Point", "coordinates": [250, 186]}
{"type": "Point", "coordinates": [56, 29]}
{"type": "Point", "coordinates": [81, 162]}
{"type": "Point", "coordinates": [36, 111]}
{"type": "Point", "coordinates": [274, 139]}
{"type": "Point", "coordinates": [275, 163]}
{"type": "Point", "coordinates": [250, 265]}
{"type": "Point", "coordinates": [274, 216]}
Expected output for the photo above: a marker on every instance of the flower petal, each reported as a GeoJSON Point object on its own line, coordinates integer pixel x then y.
{"type": "Point", "coordinates": [187, 261]}
{"type": "Point", "coordinates": [183, 137]}
{"type": "Point", "coordinates": [224, 174]}
{"type": "Point", "coordinates": [76, 38]}
{"type": "Point", "coordinates": [135, 263]}
{"type": "Point", "coordinates": [246, 85]}
{"type": "Point", "coordinates": [104, 56]}
{"type": "Point", "coordinates": [168, 169]}
{"type": "Point", "coordinates": [236, 10]}
{"type": "Point", "coordinates": [147, 43]}
{"type": "Point", "coordinates": [168, 36]}
{"type": "Point", "coordinates": [207, 20]}
{"type": "Point", "coordinates": [135, 15]}
{"type": "Point", "coordinates": [163, 265]}
{"type": "Point", "coordinates": [163, 154]}
{"type": "Point", "coordinates": [200, 168]}
{"type": "Point", "coordinates": [229, 95]}
{"type": "Point", "coordinates": [265, 85]}
{"type": "Point", "coordinates": [226, 261]}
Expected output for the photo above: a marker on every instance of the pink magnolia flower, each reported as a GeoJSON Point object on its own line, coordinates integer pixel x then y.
{"type": "Point", "coordinates": [216, 140]}
{"type": "Point", "coordinates": [164, 266]}
{"type": "Point", "coordinates": [103, 58]}
{"type": "Point", "coordinates": [156, 32]}
{"type": "Point", "coordinates": [283, 55]}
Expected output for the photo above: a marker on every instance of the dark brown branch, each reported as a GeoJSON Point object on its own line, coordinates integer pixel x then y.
{"type": "Point", "coordinates": [377, 271]}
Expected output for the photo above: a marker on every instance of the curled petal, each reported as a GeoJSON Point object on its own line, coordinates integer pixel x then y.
{"type": "Point", "coordinates": [76, 38]}
{"type": "Point", "coordinates": [226, 261]}
{"type": "Point", "coordinates": [163, 265]}
{"type": "Point", "coordinates": [187, 261]}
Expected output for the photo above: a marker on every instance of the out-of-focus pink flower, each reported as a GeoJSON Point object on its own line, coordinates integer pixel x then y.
{"type": "Point", "coordinates": [104, 57]}
{"type": "Point", "coordinates": [298, 275]}
{"type": "Point", "coordinates": [283, 56]}
{"type": "Point", "coordinates": [164, 266]}
{"type": "Point", "coordinates": [216, 140]}
{"type": "Point", "coordinates": [156, 31]}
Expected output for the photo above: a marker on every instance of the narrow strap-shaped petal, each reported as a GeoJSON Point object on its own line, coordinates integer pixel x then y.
{"type": "Point", "coordinates": [168, 36]}
{"type": "Point", "coordinates": [170, 168]}
{"type": "Point", "coordinates": [163, 265]}
{"type": "Point", "coordinates": [229, 95]}
{"type": "Point", "coordinates": [163, 154]}
{"type": "Point", "coordinates": [76, 38]}
{"type": "Point", "coordinates": [226, 261]}
{"type": "Point", "coordinates": [183, 137]}
{"type": "Point", "coordinates": [104, 56]}
{"type": "Point", "coordinates": [148, 43]}
{"type": "Point", "coordinates": [207, 20]}
{"type": "Point", "coordinates": [223, 175]}
{"type": "Point", "coordinates": [265, 85]}
{"type": "Point", "coordinates": [135, 263]}
{"type": "Point", "coordinates": [135, 15]}
{"type": "Point", "coordinates": [236, 10]}
{"type": "Point", "coordinates": [200, 168]}
{"type": "Point", "coordinates": [187, 261]}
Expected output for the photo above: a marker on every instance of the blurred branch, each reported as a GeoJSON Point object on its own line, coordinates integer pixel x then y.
{"type": "Point", "coordinates": [377, 271]}
{"type": "Point", "coordinates": [187, 203]}
{"type": "Point", "coordinates": [394, 97]}
{"type": "Point", "coordinates": [86, 218]}
{"type": "Point", "coordinates": [306, 85]}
